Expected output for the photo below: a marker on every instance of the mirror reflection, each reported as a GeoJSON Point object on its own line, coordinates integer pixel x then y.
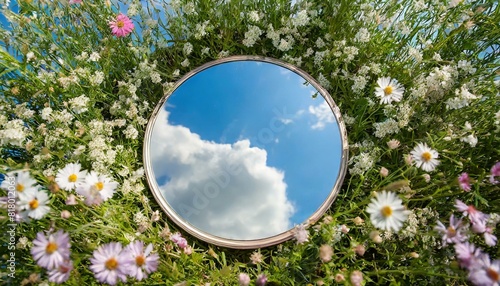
{"type": "Point", "coordinates": [245, 150]}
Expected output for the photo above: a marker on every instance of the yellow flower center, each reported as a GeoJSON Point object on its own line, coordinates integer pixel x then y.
{"type": "Point", "coordinates": [120, 24]}
{"type": "Point", "coordinates": [140, 260]}
{"type": "Point", "coordinates": [99, 186]}
{"type": "Point", "coordinates": [72, 178]}
{"type": "Point", "coordinates": [388, 90]}
{"type": "Point", "coordinates": [386, 211]}
{"type": "Point", "coordinates": [33, 204]}
{"type": "Point", "coordinates": [426, 156]}
{"type": "Point", "coordinates": [19, 187]}
{"type": "Point", "coordinates": [111, 264]}
{"type": "Point", "coordinates": [51, 247]}
{"type": "Point", "coordinates": [495, 276]}
{"type": "Point", "coordinates": [451, 231]}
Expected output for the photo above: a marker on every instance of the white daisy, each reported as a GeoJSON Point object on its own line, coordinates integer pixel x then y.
{"type": "Point", "coordinates": [33, 204]}
{"type": "Point", "coordinates": [97, 185]}
{"type": "Point", "coordinates": [389, 90]}
{"type": "Point", "coordinates": [70, 176]}
{"type": "Point", "coordinates": [19, 180]}
{"type": "Point", "coordinates": [387, 211]}
{"type": "Point", "coordinates": [424, 157]}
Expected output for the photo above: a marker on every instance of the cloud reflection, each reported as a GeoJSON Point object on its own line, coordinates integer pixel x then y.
{"type": "Point", "coordinates": [223, 189]}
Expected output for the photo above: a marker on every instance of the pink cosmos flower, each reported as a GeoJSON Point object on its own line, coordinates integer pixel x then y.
{"type": "Point", "coordinates": [50, 251]}
{"type": "Point", "coordinates": [464, 182]}
{"type": "Point", "coordinates": [61, 273]}
{"type": "Point", "coordinates": [495, 172]}
{"type": "Point", "coordinates": [108, 263]}
{"type": "Point", "coordinates": [140, 261]}
{"type": "Point", "coordinates": [122, 26]}
{"type": "Point", "coordinates": [453, 233]}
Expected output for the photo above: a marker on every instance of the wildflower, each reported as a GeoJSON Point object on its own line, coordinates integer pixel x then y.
{"type": "Point", "coordinates": [387, 211]}
{"type": "Point", "coordinates": [256, 257]}
{"type": "Point", "coordinates": [179, 240]}
{"type": "Point", "coordinates": [97, 188]}
{"type": "Point", "coordinates": [75, 2]}
{"type": "Point", "coordinates": [108, 263]}
{"type": "Point", "coordinates": [261, 280]}
{"type": "Point", "coordinates": [140, 262]}
{"type": "Point", "coordinates": [453, 233]}
{"type": "Point", "coordinates": [356, 278]}
{"type": "Point", "coordinates": [470, 211]}
{"type": "Point", "coordinates": [425, 157]}
{"type": "Point", "coordinates": [70, 176]}
{"type": "Point", "coordinates": [384, 172]}
{"type": "Point", "coordinates": [488, 273]}
{"type": "Point", "coordinates": [325, 253]}
{"type": "Point", "coordinates": [61, 273]}
{"type": "Point", "coordinates": [301, 234]}
{"type": "Point", "coordinates": [243, 279]}
{"type": "Point", "coordinates": [389, 90]}
{"type": "Point", "coordinates": [49, 252]}
{"type": "Point", "coordinates": [358, 221]}
{"type": "Point", "coordinates": [22, 181]}
{"type": "Point", "coordinates": [464, 182]}
{"type": "Point", "coordinates": [467, 254]}
{"type": "Point", "coordinates": [71, 200]}
{"type": "Point", "coordinates": [339, 277]}
{"type": "Point", "coordinates": [122, 26]}
{"type": "Point", "coordinates": [495, 172]}
{"type": "Point", "coordinates": [489, 238]}
{"type": "Point", "coordinates": [65, 214]}
{"type": "Point", "coordinates": [360, 249]}
{"type": "Point", "coordinates": [33, 204]}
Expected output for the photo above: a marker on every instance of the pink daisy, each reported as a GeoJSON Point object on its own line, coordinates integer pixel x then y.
{"type": "Point", "coordinates": [470, 211]}
{"type": "Point", "coordinates": [49, 252]}
{"type": "Point", "coordinates": [495, 172]}
{"type": "Point", "coordinates": [61, 273]}
{"type": "Point", "coordinates": [467, 254]}
{"type": "Point", "coordinates": [122, 26]}
{"type": "Point", "coordinates": [453, 233]}
{"type": "Point", "coordinates": [140, 262]}
{"type": "Point", "coordinates": [487, 272]}
{"type": "Point", "coordinates": [108, 263]}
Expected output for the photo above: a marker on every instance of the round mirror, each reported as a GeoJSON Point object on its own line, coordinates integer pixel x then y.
{"type": "Point", "coordinates": [244, 149]}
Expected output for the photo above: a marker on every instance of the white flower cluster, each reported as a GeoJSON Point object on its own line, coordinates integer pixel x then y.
{"type": "Point", "coordinates": [462, 99]}
{"type": "Point", "coordinates": [362, 163]}
{"type": "Point", "coordinates": [252, 35]}
{"type": "Point", "coordinates": [12, 132]}
{"type": "Point", "coordinates": [362, 36]}
{"type": "Point", "coordinates": [79, 104]}
{"type": "Point", "coordinates": [389, 126]}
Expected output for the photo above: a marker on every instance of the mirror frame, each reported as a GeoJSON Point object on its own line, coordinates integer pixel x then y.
{"type": "Point", "coordinates": [233, 243]}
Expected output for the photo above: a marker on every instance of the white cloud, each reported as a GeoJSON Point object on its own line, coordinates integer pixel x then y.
{"type": "Point", "coordinates": [286, 121]}
{"type": "Point", "coordinates": [223, 189]}
{"type": "Point", "coordinates": [323, 114]}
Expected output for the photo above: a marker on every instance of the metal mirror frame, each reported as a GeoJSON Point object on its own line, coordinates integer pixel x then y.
{"type": "Point", "coordinates": [232, 243]}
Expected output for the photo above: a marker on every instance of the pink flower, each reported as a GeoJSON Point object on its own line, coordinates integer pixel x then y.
{"type": "Point", "coordinates": [301, 234]}
{"type": "Point", "coordinates": [486, 273]}
{"type": "Point", "coordinates": [140, 261]}
{"type": "Point", "coordinates": [61, 273]}
{"type": "Point", "coordinates": [489, 238]}
{"type": "Point", "coordinates": [464, 182]}
{"type": "Point", "coordinates": [179, 240]}
{"type": "Point", "coordinates": [75, 2]}
{"type": "Point", "coordinates": [122, 26]}
{"type": "Point", "coordinates": [108, 263]}
{"type": "Point", "coordinates": [50, 251]}
{"type": "Point", "coordinates": [495, 172]}
{"type": "Point", "coordinates": [243, 279]}
{"type": "Point", "coordinates": [453, 233]}
{"type": "Point", "coordinates": [261, 280]}
{"type": "Point", "coordinates": [467, 254]}
{"type": "Point", "coordinates": [471, 211]}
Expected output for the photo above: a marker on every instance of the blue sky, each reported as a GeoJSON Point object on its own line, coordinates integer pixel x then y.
{"type": "Point", "coordinates": [239, 100]}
